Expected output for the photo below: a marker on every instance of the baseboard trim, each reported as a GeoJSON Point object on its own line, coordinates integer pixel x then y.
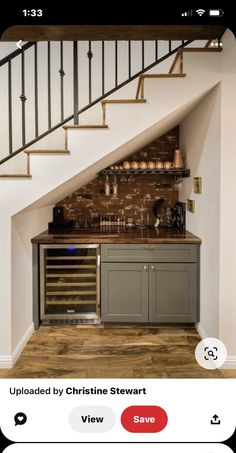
{"type": "Point", "coordinates": [8, 361]}
{"type": "Point", "coordinates": [5, 361]}
{"type": "Point", "coordinates": [230, 363]}
{"type": "Point", "coordinates": [201, 331]}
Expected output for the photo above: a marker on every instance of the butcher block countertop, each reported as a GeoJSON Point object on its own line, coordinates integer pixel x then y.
{"type": "Point", "coordinates": [128, 236]}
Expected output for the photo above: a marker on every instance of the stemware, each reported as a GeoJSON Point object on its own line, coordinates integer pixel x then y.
{"type": "Point", "coordinates": [123, 178]}
{"type": "Point", "coordinates": [131, 178]}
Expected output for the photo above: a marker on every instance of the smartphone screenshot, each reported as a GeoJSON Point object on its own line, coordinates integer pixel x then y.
{"type": "Point", "coordinates": [117, 232]}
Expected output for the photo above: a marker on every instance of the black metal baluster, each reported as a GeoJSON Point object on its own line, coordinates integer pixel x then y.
{"type": "Point", "coordinates": [103, 69]}
{"type": "Point", "coordinates": [62, 74]}
{"type": "Point", "coordinates": [75, 113]}
{"type": "Point", "coordinates": [169, 46]}
{"type": "Point", "coordinates": [22, 96]}
{"type": "Point", "coordinates": [75, 82]}
{"type": "Point", "coordinates": [116, 63]}
{"type": "Point", "coordinates": [142, 54]}
{"type": "Point", "coordinates": [10, 106]}
{"type": "Point", "coordinates": [156, 50]}
{"type": "Point", "coordinates": [129, 57]}
{"type": "Point", "coordinates": [36, 90]}
{"type": "Point", "coordinates": [90, 56]}
{"type": "Point", "coordinates": [49, 87]}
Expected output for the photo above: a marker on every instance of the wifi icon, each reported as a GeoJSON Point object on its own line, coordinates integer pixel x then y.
{"type": "Point", "coordinates": [200, 12]}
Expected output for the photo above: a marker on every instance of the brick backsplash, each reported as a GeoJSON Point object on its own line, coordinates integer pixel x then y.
{"type": "Point", "coordinates": [89, 202]}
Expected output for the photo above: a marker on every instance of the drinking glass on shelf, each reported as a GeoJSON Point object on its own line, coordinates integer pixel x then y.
{"type": "Point", "coordinates": [123, 178]}
{"type": "Point", "coordinates": [178, 183]}
{"type": "Point", "coordinates": [131, 178]}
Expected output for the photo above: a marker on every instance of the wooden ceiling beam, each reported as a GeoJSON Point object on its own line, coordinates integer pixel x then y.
{"type": "Point", "coordinates": [111, 32]}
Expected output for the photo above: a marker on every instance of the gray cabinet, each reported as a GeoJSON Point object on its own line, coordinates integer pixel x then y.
{"type": "Point", "coordinates": [172, 292]}
{"type": "Point", "coordinates": [163, 287]}
{"type": "Point", "coordinates": [124, 292]}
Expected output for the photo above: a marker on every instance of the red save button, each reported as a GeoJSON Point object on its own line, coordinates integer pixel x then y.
{"type": "Point", "coordinates": [144, 419]}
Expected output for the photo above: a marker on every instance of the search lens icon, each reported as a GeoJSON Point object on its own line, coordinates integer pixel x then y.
{"type": "Point", "coordinates": [211, 353]}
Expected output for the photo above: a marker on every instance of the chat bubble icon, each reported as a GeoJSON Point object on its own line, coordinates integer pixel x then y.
{"type": "Point", "coordinates": [20, 418]}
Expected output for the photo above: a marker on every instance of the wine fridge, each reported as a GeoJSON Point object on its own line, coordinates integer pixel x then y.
{"type": "Point", "coordinates": [69, 282]}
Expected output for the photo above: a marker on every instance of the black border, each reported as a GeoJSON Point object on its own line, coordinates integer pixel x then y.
{"type": "Point", "coordinates": [100, 13]}
{"type": "Point", "coordinates": [5, 442]}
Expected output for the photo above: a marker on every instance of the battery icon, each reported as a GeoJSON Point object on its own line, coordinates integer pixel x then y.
{"type": "Point", "coordinates": [216, 12]}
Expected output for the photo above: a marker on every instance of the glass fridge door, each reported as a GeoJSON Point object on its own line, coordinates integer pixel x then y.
{"type": "Point", "coordinates": [69, 281]}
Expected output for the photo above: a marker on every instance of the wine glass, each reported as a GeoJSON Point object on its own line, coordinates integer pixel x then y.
{"type": "Point", "coordinates": [131, 178]}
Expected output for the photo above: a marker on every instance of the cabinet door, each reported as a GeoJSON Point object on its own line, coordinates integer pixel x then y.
{"type": "Point", "coordinates": [124, 292]}
{"type": "Point", "coordinates": [173, 292]}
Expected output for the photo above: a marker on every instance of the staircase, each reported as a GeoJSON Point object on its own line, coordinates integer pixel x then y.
{"type": "Point", "coordinates": [79, 84]}
{"type": "Point", "coordinates": [176, 72]}
{"type": "Point", "coordinates": [89, 148]}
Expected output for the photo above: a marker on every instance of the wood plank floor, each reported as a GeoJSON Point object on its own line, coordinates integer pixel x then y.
{"type": "Point", "coordinates": [112, 352]}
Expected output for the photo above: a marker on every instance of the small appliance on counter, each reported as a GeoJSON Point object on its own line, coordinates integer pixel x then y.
{"type": "Point", "coordinates": [59, 224]}
{"type": "Point", "coordinates": [178, 215]}
{"type": "Point", "coordinates": [156, 210]}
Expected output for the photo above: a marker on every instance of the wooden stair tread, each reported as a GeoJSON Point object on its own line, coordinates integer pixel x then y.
{"type": "Point", "coordinates": [157, 76]}
{"type": "Point", "coordinates": [47, 151]}
{"type": "Point", "coordinates": [16, 176]}
{"type": "Point", "coordinates": [86, 126]}
{"type": "Point", "coordinates": [123, 101]}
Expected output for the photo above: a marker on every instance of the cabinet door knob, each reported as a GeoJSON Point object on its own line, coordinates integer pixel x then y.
{"type": "Point", "coordinates": [153, 268]}
{"type": "Point", "coordinates": [145, 268]}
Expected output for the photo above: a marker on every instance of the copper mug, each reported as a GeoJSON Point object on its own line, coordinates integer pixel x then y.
{"type": "Point", "coordinates": [143, 165]}
{"type": "Point", "coordinates": [178, 158]}
{"type": "Point", "coordinates": [168, 165]}
{"type": "Point", "coordinates": [126, 165]}
{"type": "Point", "coordinates": [134, 165]}
{"type": "Point", "coordinates": [151, 165]}
{"type": "Point", "coordinates": [159, 165]}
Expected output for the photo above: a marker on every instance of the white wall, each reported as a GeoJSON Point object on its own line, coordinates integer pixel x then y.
{"type": "Point", "coordinates": [227, 198]}
{"type": "Point", "coordinates": [210, 147]}
{"type": "Point", "coordinates": [200, 139]}
{"type": "Point", "coordinates": [5, 293]}
{"type": "Point", "coordinates": [16, 280]}
{"type": "Point", "coordinates": [24, 227]}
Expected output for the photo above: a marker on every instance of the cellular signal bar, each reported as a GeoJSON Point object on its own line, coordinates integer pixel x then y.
{"type": "Point", "coordinates": [187, 13]}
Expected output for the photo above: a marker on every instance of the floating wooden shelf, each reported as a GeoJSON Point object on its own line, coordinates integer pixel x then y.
{"type": "Point", "coordinates": [179, 172]}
